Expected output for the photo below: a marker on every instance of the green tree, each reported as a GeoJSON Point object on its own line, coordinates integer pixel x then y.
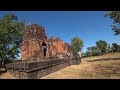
{"type": "Point", "coordinates": [77, 45]}
{"type": "Point", "coordinates": [89, 50]}
{"type": "Point", "coordinates": [86, 54]}
{"type": "Point", "coordinates": [108, 48]}
{"type": "Point", "coordinates": [115, 16]}
{"type": "Point", "coordinates": [112, 49]}
{"type": "Point", "coordinates": [93, 51]}
{"type": "Point", "coordinates": [102, 46]}
{"type": "Point", "coordinates": [83, 54]}
{"type": "Point", "coordinates": [116, 47]}
{"type": "Point", "coordinates": [11, 32]}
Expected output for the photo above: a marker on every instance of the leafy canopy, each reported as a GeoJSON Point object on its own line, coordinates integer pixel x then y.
{"type": "Point", "coordinates": [11, 32]}
{"type": "Point", "coordinates": [77, 45]}
{"type": "Point", "coordinates": [115, 16]}
{"type": "Point", "coordinates": [102, 46]}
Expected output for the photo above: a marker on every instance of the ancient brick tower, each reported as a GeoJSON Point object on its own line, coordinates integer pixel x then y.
{"type": "Point", "coordinates": [33, 41]}
{"type": "Point", "coordinates": [35, 44]}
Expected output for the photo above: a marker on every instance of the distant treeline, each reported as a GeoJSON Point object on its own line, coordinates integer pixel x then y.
{"type": "Point", "coordinates": [101, 48]}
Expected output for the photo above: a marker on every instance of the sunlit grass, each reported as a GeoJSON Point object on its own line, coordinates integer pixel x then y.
{"type": "Point", "coordinates": [102, 69]}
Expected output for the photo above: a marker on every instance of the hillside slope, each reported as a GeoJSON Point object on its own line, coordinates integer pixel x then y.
{"type": "Point", "coordinates": [99, 67]}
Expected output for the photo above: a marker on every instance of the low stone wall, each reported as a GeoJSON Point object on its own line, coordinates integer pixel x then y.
{"type": "Point", "coordinates": [37, 69]}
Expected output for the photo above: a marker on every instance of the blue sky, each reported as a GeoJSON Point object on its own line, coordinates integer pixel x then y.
{"type": "Point", "coordinates": [90, 26]}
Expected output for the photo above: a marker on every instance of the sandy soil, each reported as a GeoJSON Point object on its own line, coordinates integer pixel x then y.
{"type": "Point", "coordinates": [4, 75]}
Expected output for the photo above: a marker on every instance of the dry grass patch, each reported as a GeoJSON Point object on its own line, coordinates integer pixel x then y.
{"type": "Point", "coordinates": [99, 67]}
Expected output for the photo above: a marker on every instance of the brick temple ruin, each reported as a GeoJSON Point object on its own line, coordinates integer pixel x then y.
{"type": "Point", "coordinates": [41, 55]}
{"type": "Point", "coordinates": [36, 45]}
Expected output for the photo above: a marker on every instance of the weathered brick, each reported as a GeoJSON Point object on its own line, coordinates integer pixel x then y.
{"type": "Point", "coordinates": [35, 45]}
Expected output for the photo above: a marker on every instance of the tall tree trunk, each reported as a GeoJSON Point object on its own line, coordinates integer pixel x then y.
{"type": "Point", "coordinates": [3, 64]}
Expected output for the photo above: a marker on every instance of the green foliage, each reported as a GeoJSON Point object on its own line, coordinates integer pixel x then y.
{"type": "Point", "coordinates": [102, 46]}
{"type": "Point", "coordinates": [83, 54]}
{"type": "Point", "coordinates": [93, 51]}
{"type": "Point", "coordinates": [11, 32]}
{"type": "Point", "coordinates": [108, 48]}
{"type": "Point", "coordinates": [115, 47]}
{"type": "Point", "coordinates": [115, 16]}
{"type": "Point", "coordinates": [77, 45]}
{"type": "Point", "coordinates": [89, 50]}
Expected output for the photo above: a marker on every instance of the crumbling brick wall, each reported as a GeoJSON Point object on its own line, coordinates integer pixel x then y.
{"type": "Point", "coordinates": [37, 69]}
{"type": "Point", "coordinates": [35, 44]}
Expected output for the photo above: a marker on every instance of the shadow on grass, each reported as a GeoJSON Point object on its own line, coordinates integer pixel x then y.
{"type": "Point", "coordinates": [103, 59]}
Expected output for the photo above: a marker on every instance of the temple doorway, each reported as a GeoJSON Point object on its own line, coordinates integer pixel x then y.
{"type": "Point", "coordinates": [44, 46]}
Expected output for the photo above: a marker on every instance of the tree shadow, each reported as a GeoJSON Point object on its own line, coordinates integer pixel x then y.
{"type": "Point", "coordinates": [103, 59]}
{"type": "Point", "coordinates": [2, 71]}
